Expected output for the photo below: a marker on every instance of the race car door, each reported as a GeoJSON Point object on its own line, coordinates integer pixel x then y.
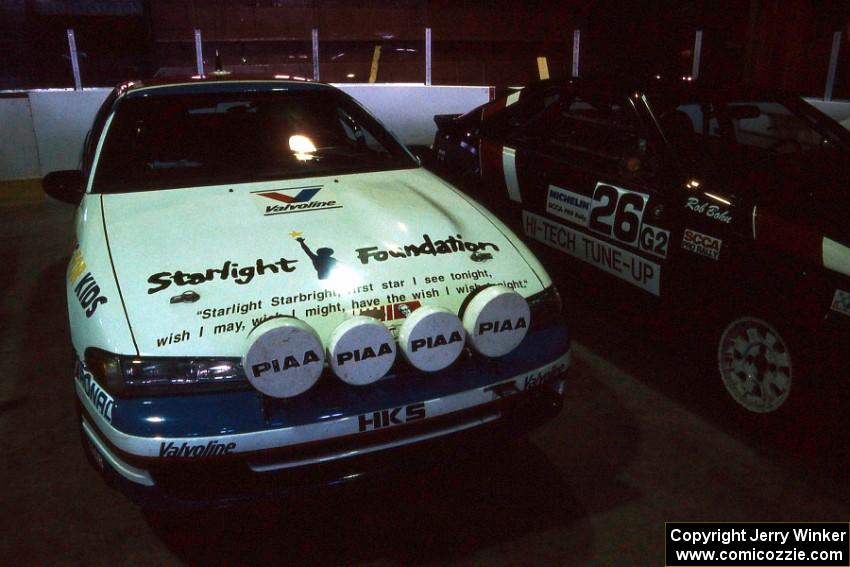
{"type": "Point", "coordinates": [591, 189]}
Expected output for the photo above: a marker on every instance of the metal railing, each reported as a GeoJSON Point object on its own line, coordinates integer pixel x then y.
{"type": "Point", "coordinates": [542, 63]}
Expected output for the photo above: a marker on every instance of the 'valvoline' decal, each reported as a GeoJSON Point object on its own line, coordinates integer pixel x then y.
{"type": "Point", "coordinates": [291, 202]}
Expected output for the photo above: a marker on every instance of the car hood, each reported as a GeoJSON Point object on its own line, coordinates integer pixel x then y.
{"type": "Point", "coordinates": [198, 268]}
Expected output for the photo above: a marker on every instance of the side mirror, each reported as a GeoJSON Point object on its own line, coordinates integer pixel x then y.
{"type": "Point", "coordinates": [66, 186]}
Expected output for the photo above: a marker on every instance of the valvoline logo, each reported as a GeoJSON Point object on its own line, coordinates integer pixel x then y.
{"type": "Point", "coordinates": [295, 200]}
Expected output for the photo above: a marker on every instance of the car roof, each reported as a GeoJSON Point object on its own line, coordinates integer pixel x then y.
{"type": "Point", "coordinates": [216, 84]}
{"type": "Point", "coordinates": [657, 86]}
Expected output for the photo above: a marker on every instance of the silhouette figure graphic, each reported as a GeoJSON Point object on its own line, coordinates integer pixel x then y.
{"type": "Point", "coordinates": [322, 259]}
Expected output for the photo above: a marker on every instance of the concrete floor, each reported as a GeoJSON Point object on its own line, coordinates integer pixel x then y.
{"type": "Point", "coordinates": [638, 444]}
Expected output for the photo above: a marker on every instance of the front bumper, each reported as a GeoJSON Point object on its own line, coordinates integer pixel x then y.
{"type": "Point", "coordinates": [196, 485]}
{"type": "Point", "coordinates": [215, 449]}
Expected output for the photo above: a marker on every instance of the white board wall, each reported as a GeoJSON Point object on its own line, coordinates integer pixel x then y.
{"type": "Point", "coordinates": [838, 110]}
{"type": "Point", "coordinates": [18, 151]}
{"type": "Point", "coordinates": [61, 120]}
{"type": "Point", "coordinates": [408, 110]}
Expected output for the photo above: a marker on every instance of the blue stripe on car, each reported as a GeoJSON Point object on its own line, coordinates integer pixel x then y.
{"type": "Point", "coordinates": [245, 411]}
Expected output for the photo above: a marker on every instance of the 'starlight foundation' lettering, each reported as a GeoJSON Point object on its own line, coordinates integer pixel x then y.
{"type": "Point", "coordinates": [229, 270]}
{"type": "Point", "coordinates": [428, 247]}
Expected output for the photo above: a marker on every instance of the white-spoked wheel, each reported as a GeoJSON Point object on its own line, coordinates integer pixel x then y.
{"type": "Point", "coordinates": [755, 365]}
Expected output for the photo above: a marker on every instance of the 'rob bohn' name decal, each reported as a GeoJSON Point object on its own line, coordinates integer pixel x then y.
{"type": "Point", "coordinates": [428, 247]}
{"type": "Point", "coordinates": [85, 287]}
{"type": "Point", "coordinates": [709, 210]}
{"type": "Point", "coordinates": [229, 270]}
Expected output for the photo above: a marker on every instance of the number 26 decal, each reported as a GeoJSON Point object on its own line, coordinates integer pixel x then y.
{"type": "Point", "coordinates": [618, 213]}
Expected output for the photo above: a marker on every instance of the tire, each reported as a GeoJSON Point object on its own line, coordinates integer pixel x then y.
{"type": "Point", "coordinates": [759, 366]}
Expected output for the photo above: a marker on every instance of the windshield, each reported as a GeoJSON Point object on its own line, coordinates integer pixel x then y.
{"type": "Point", "coordinates": [183, 140]}
{"type": "Point", "coordinates": [740, 133]}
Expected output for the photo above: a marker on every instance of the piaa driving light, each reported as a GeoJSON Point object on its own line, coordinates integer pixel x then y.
{"type": "Point", "coordinates": [141, 375]}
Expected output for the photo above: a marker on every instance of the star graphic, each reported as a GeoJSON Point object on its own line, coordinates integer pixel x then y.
{"type": "Point", "coordinates": [294, 234]}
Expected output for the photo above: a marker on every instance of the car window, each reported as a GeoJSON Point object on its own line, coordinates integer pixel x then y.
{"type": "Point", "coordinates": [597, 133]}
{"type": "Point", "coordinates": [729, 135]}
{"type": "Point", "coordinates": [180, 140]}
{"type": "Point", "coordinates": [771, 125]}
{"type": "Point", "coordinates": [749, 142]}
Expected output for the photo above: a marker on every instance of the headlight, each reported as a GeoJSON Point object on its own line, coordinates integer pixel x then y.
{"type": "Point", "coordinates": [545, 308]}
{"type": "Point", "coordinates": [142, 375]}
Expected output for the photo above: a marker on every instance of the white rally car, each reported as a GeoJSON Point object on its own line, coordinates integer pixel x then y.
{"type": "Point", "coordinates": [268, 291]}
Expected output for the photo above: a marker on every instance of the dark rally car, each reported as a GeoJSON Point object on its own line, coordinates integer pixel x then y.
{"type": "Point", "coordinates": [727, 208]}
